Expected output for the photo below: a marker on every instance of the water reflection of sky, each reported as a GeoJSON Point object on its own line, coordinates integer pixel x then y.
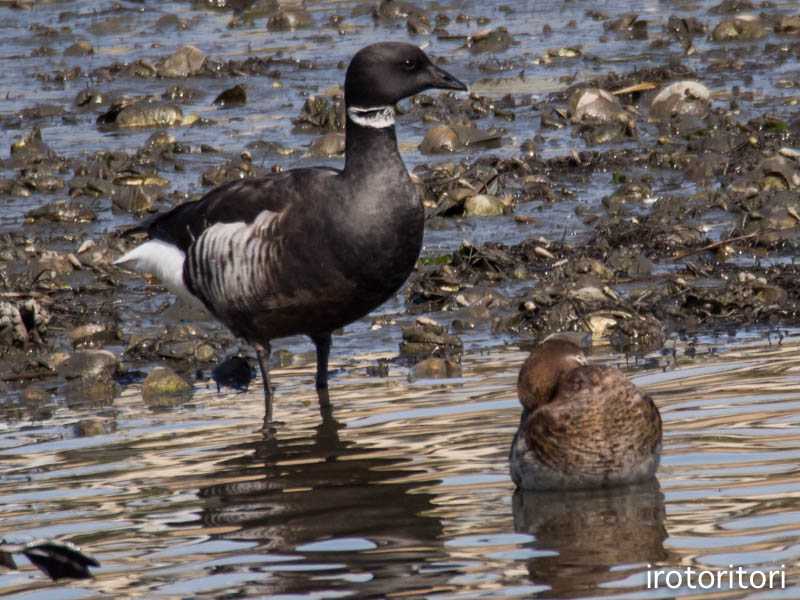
{"type": "Point", "coordinates": [405, 490]}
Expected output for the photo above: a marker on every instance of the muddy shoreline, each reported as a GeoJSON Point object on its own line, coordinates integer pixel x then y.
{"type": "Point", "coordinates": [694, 231]}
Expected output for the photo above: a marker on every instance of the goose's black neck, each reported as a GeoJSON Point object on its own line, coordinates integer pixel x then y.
{"type": "Point", "coordinates": [369, 145]}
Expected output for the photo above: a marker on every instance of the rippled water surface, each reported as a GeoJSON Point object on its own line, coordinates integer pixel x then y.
{"type": "Point", "coordinates": [399, 490]}
{"type": "Point", "coordinates": [402, 489]}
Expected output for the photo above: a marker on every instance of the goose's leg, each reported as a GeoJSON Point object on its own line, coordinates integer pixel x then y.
{"type": "Point", "coordinates": [262, 352]}
{"type": "Point", "coordinates": [323, 344]}
{"type": "Point", "coordinates": [325, 408]}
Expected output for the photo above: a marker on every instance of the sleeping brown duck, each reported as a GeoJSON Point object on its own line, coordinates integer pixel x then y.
{"type": "Point", "coordinates": [582, 426]}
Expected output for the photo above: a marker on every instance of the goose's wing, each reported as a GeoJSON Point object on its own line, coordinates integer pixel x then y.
{"type": "Point", "coordinates": [212, 251]}
{"type": "Point", "coordinates": [237, 201]}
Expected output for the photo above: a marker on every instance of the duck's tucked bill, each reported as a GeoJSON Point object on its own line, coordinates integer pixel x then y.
{"type": "Point", "coordinates": [582, 426]}
{"type": "Point", "coordinates": [306, 251]}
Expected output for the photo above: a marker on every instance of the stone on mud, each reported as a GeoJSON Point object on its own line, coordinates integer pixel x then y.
{"type": "Point", "coordinates": [483, 205]}
{"type": "Point", "coordinates": [36, 402]}
{"type": "Point", "coordinates": [329, 144]}
{"type": "Point", "coordinates": [91, 334]}
{"type": "Point", "coordinates": [439, 139]}
{"type": "Point", "coordinates": [92, 427]}
{"type": "Point", "coordinates": [681, 97]}
{"type": "Point", "coordinates": [88, 393]}
{"type": "Point", "coordinates": [64, 211]}
{"type": "Point", "coordinates": [742, 28]}
{"type": "Point", "coordinates": [89, 364]}
{"type": "Point", "coordinates": [186, 61]}
{"type": "Point", "coordinates": [164, 388]}
{"type": "Point", "coordinates": [437, 368]}
{"type": "Point", "coordinates": [426, 338]}
{"type": "Point", "coordinates": [22, 323]}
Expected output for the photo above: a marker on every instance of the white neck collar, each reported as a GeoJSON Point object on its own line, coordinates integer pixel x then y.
{"type": "Point", "coordinates": [377, 117]}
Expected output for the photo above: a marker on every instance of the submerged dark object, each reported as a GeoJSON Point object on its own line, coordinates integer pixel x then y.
{"type": "Point", "coordinates": [234, 372]}
{"type": "Point", "coordinates": [58, 560]}
{"type": "Point", "coordinates": [309, 250]}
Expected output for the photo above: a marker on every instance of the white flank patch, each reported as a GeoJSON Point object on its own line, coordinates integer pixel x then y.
{"type": "Point", "coordinates": [225, 260]}
{"type": "Point", "coordinates": [378, 117]}
{"type": "Point", "coordinates": [163, 260]}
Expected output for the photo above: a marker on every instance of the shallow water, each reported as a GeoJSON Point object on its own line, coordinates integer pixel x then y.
{"type": "Point", "coordinates": [402, 489]}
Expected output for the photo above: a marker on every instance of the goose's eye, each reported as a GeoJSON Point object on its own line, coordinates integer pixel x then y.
{"type": "Point", "coordinates": [409, 64]}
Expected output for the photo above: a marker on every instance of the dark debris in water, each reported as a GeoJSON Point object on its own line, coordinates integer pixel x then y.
{"type": "Point", "coordinates": [235, 372]}
{"type": "Point", "coordinates": [58, 560]}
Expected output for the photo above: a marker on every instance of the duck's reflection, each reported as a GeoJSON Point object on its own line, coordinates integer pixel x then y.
{"type": "Point", "coordinates": [283, 492]}
{"type": "Point", "coordinates": [592, 531]}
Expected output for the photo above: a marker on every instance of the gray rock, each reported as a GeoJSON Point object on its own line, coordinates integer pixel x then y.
{"type": "Point", "coordinates": [64, 211]}
{"type": "Point", "coordinates": [437, 368]}
{"type": "Point", "coordinates": [594, 104]}
{"type": "Point", "coordinates": [186, 61]}
{"type": "Point", "coordinates": [89, 364]}
{"type": "Point", "coordinates": [144, 114]}
{"type": "Point", "coordinates": [91, 334]}
{"type": "Point", "coordinates": [34, 397]}
{"type": "Point", "coordinates": [493, 41]}
{"type": "Point", "coordinates": [483, 205]}
{"type": "Point", "coordinates": [87, 393]}
{"type": "Point", "coordinates": [743, 28]}
{"type": "Point", "coordinates": [681, 97]}
{"type": "Point", "coordinates": [82, 48]}
{"type": "Point", "coordinates": [92, 427]}
{"type": "Point", "coordinates": [439, 139]}
{"type": "Point", "coordinates": [164, 388]}
{"type": "Point", "coordinates": [329, 144]}
{"type": "Point", "coordinates": [427, 338]}
{"type": "Point", "coordinates": [431, 368]}
{"type": "Point", "coordinates": [290, 19]}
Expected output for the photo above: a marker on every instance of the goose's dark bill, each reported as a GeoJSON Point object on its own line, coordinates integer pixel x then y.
{"type": "Point", "coordinates": [445, 81]}
{"type": "Point", "coordinates": [309, 250]}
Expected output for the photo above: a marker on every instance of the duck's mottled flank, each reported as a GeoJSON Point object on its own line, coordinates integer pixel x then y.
{"type": "Point", "coordinates": [596, 428]}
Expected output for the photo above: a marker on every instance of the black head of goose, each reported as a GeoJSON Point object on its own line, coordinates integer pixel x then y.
{"type": "Point", "coordinates": [308, 250]}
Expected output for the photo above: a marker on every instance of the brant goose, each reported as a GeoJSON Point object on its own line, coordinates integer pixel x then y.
{"type": "Point", "coordinates": [58, 560]}
{"type": "Point", "coordinates": [307, 250]}
{"type": "Point", "coordinates": [582, 426]}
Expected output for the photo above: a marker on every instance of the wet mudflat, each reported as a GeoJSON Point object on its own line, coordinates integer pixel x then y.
{"type": "Point", "coordinates": [659, 218]}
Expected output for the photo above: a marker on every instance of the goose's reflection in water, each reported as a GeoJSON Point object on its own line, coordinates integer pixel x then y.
{"type": "Point", "coordinates": [592, 531]}
{"type": "Point", "coordinates": [285, 492]}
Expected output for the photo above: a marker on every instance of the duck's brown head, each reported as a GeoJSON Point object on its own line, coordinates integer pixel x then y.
{"type": "Point", "coordinates": [541, 371]}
